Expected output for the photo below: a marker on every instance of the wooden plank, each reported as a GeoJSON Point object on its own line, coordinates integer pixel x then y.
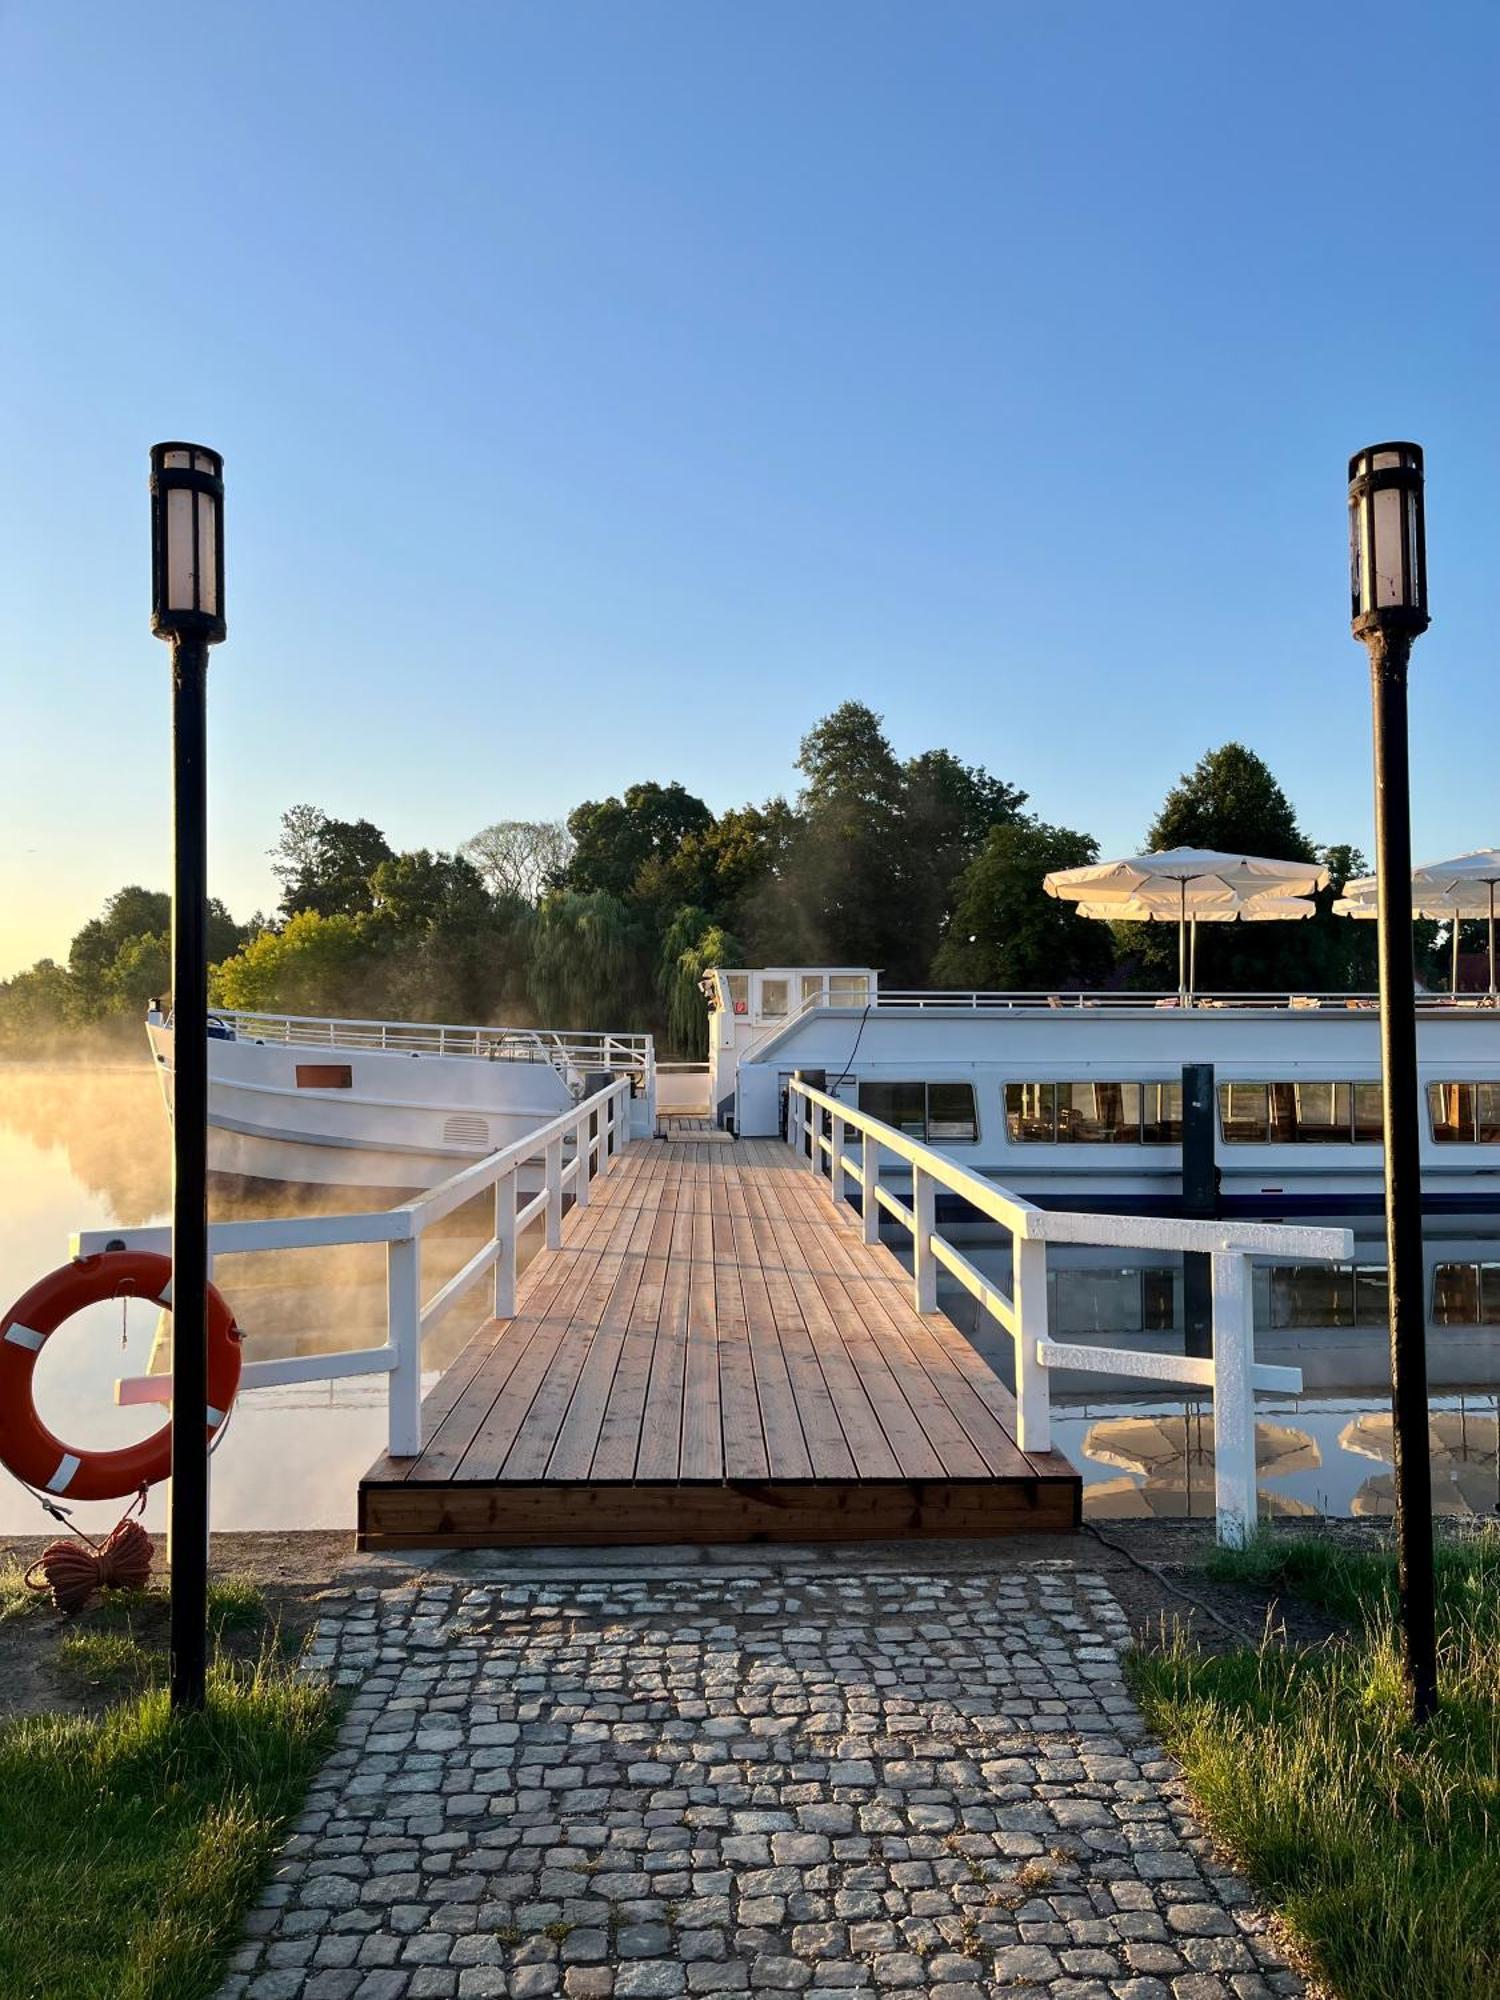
{"type": "Point", "coordinates": [659, 1454]}
{"type": "Point", "coordinates": [620, 1432]}
{"type": "Point", "coordinates": [742, 1419]}
{"type": "Point", "coordinates": [790, 1279]}
{"type": "Point", "coordinates": [947, 1402]}
{"type": "Point", "coordinates": [478, 1516]}
{"type": "Point", "coordinates": [702, 1413]}
{"type": "Point", "coordinates": [787, 1452]}
{"type": "Point", "coordinates": [572, 1451]}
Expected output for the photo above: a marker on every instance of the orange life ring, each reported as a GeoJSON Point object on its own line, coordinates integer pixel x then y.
{"type": "Point", "coordinates": [27, 1447]}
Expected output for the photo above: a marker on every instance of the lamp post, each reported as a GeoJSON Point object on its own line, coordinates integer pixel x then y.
{"type": "Point", "coordinates": [187, 610]}
{"type": "Point", "coordinates": [1388, 579]}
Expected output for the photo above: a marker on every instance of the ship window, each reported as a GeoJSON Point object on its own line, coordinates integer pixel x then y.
{"type": "Point", "coordinates": [1030, 1113]}
{"type": "Point", "coordinates": [937, 1113]}
{"type": "Point", "coordinates": [1371, 1294]}
{"type": "Point", "coordinates": [1288, 1113]}
{"type": "Point", "coordinates": [324, 1076]}
{"type": "Point", "coordinates": [738, 984]}
{"type": "Point", "coordinates": [1466, 1295]}
{"type": "Point", "coordinates": [1312, 1295]}
{"type": "Point", "coordinates": [1464, 1114]}
{"type": "Point", "coordinates": [812, 987]}
{"type": "Point", "coordinates": [848, 989]}
{"type": "Point", "coordinates": [1123, 1300]}
{"type": "Point", "coordinates": [1161, 1114]}
{"type": "Point", "coordinates": [1099, 1114]}
{"type": "Point", "coordinates": [773, 999]}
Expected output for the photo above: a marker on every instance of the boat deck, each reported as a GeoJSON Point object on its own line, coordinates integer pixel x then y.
{"type": "Point", "coordinates": [714, 1355]}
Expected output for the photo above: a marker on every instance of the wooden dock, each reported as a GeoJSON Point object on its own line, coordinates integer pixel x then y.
{"type": "Point", "coordinates": [714, 1355]}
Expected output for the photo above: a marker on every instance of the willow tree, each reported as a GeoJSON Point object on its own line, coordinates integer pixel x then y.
{"type": "Point", "coordinates": [587, 954]}
{"type": "Point", "coordinates": [691, 946]}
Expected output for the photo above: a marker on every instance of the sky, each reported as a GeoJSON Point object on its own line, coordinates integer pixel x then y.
{"type": "Point", "coordinates": [608, 390]}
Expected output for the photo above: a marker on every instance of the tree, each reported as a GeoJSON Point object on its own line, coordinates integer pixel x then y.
{"type": "Point", "coordinates": [325, 864]}
{"type": "Point", "coordinates": [586, 964]}
{"type": "Point", "coordinates": [35, 1003]}
{"type": "Point", "coordinates": [949, 808]}
{"type": "Point", "coordinates": [615, 838]}
{"type": "Point", "coordinates": [691, 946]}
{"type": "Point", "coordinates": [414, 893]}
{"type": "Point", "coordinates": [1230, 801]}
{"type": "Point", "coordinates": [313, 964]}
{"type": "Point", "coordinates": [523, 858]}
{"type": "Point", "coordinates": [1006, 932]}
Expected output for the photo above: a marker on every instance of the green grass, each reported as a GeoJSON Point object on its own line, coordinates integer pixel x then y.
{"type": "Point", "coordinates": [131, 1841]}
{"type": "Point", "coordinates": [1378, 1844]}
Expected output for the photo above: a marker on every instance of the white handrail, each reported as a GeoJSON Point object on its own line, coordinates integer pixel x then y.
{"type": "Point", "coordinates": [572, 1149]}
{"type": "Point", "coordinates": [1232, 1373]}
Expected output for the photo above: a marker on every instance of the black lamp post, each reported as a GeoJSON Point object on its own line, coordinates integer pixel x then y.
{"type": "Point", "coordinates": [187, 610]}
{"type": "Point", "coordinates": [1388, 577]}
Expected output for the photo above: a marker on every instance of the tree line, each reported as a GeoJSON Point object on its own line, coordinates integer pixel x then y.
{"type": "Point", "coordinates": [927, 868]}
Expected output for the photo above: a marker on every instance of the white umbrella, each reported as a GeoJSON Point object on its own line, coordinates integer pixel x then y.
{"type": "Point", "coordinates": [1446, 890]}
{"type": "Point", "coordinates": [1197, 878]}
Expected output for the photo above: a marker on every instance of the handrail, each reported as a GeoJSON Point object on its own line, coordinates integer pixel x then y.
{"type": "Point", "coordinates": [1232, 1372]}
{"type": "Point", "coordinates": [573, 1148]}
{"type": "Point", "coordinates": [918, 999]}
{"type": "Point", "coordinates": [576, 1048]}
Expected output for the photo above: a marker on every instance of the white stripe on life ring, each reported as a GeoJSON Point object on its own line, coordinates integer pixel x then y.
{"type": "Point", "coordinates": [215, 1417]}
{"type": "Point", "coordinates": [25, 1336]}
{"type": "Point", "coordinates": [164, 1296]}
{"type": "Point", "coordinates": [62, 1479]}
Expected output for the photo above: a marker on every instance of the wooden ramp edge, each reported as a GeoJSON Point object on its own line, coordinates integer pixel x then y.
{"type": "Point", "coordinates": [714, 1355]}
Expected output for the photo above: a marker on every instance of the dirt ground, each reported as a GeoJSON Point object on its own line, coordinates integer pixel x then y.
{"type": "Point", "coordinates": [1153, 1567]}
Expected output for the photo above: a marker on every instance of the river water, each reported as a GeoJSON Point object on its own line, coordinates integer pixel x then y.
{"type": "Point", "coordinates": [88, 1148]}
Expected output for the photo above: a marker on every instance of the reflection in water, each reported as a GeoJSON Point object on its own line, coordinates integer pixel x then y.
{"type": "Point", "coordinates": [88, 1148]}
{"type": "Point", "coordinates": [1174, 1458]}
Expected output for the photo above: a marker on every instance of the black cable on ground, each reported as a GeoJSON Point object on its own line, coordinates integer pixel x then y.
{"type": "Point", "coordinates": [1236, 1631]}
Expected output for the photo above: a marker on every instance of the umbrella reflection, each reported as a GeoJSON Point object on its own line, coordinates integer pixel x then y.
{"type": "Point", "coordinates": [1465, 1455]}
{"type": "Point", "coordinates": [1174, 1456]}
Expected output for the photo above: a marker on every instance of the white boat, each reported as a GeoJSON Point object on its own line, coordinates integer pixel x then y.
{"type": "Point", "coordinates": [1076, 1099]}
{"type": "Point", "coordinates": [393, 1106]}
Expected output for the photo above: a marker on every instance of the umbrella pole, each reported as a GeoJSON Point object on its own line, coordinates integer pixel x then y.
{"type": "Point", "coordinates": [1454, 982]}
{"type": "Point", "coordinates": [1492, 941]}
{"type": "Point", "coordinates": [1193, 959]}
{"type": "Point", "coordinates": [1182, 985]}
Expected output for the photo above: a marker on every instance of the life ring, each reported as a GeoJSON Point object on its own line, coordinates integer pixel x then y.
{"type": "Point", "coordinates": [27, 1447]}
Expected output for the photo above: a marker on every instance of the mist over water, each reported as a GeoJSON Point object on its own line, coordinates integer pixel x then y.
{"type": "Point", "coordinates": [87, 1145]}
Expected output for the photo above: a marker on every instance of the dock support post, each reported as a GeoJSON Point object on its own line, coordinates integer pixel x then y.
{"type": "Point", "coordinates": [554, 1194]}
{"type": "Point", "coordinates": [1033, 1384]}
{"type": "Point", "coordinates": [505, 1236]}
{"type": "Point", "coordinates": [403, 1280]}
{"type": "Point", "coordinates": [1234, 1399]}
{"type": "Point", "coordinates": [836, 1161]}
{"type": "Point", "coordinates": [869, 1206]}
{"type": "Point", "coordinates": [1199, 1202]}
{"type": "Point", "coordinates": [924, 1264]}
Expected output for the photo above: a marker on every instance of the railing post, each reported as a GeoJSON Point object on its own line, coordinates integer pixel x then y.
{"type": "Point", "coordinates": [583, 1136]}
{"type": "Point", "coordinates": [403, 1290]}
{"type": "Point", "coordinates": [924, 1264]}
{"type": "Point", "coordinates": [836, 1160]}
{"type": "Point", "coordinates": [1033, 1381]}
{"type": "Point", "coordinates": [793, 1117]}
{"type": "Point", "coordinates": [869, 1166]}
{"type": "Point", "coordinates": [1234, 1398]}
{"type": "Point", "coordinates": [505, 1236]}
{"type": "Point", "coordinates": [553, 1171]}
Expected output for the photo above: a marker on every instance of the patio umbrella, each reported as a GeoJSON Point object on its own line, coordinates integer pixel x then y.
{"type": "Point", "coordinates": [1474, 898]}
{"type": "Point", "coordinates": [1194, 879]}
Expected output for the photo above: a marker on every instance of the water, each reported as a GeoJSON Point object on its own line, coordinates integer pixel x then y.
{"type": "Point", "coordinates": [90, 1148]}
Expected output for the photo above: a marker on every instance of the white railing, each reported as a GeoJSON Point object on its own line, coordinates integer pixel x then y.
{"type": "Point", "coordinates": [579, 1050]}
{"type": "Point", "coordinates": [1232, 1373]}
{"type": "Point", "coordinates": [571, 1151]}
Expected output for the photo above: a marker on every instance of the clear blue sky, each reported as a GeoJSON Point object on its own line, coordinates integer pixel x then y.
{"type": "Point", "coordinates": [609, 389]}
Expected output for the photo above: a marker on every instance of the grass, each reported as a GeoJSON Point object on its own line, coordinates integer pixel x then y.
{"type": "Point", "coordinates": [1378, 1844]}
{"type": "Point", "coordinates": [133, 1840]}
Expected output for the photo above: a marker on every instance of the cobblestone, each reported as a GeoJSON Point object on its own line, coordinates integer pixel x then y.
{"type": "Point", "coordinates": [859, 1786]}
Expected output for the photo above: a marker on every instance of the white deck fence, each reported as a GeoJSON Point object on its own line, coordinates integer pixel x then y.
{"type": "Point", "coordinates": [819, 1128]}
{"type": "Point", "coordinates": [571, 1150]}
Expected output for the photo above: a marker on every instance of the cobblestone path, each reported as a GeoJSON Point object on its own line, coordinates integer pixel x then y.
{"type": "Point", "coordinates": [855, 1784]}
